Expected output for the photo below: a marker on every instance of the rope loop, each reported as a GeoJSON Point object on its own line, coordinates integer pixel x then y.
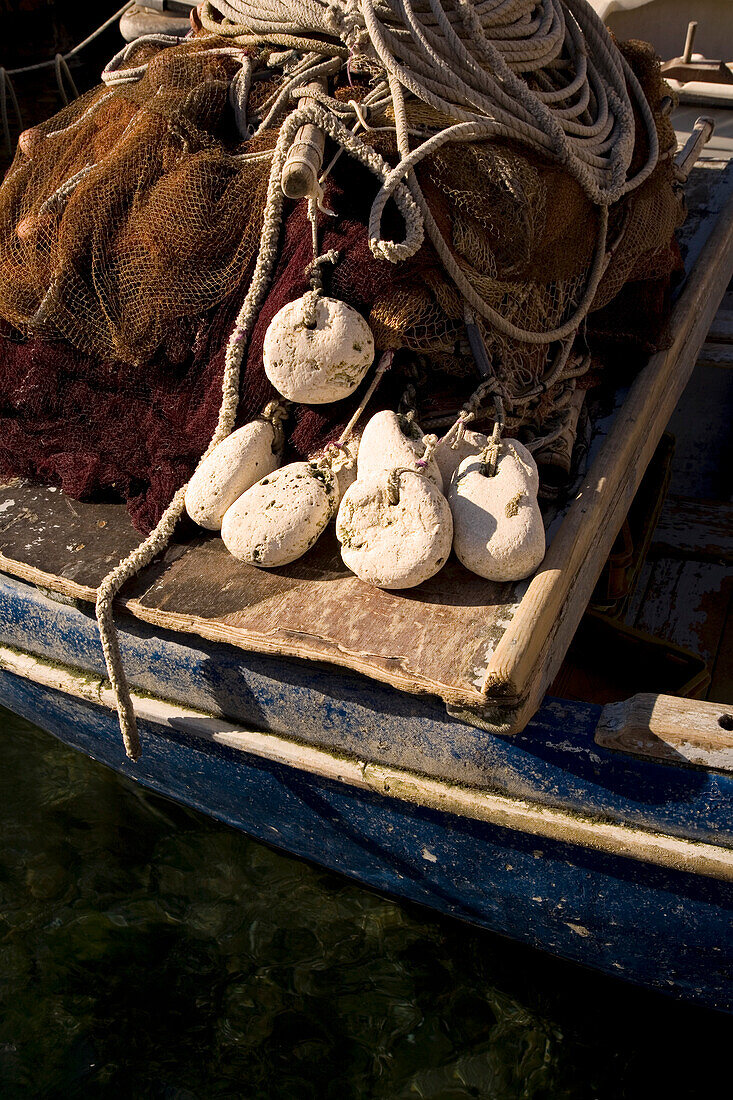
{"type": "Point", "coordinates": [490, 454]}
{"type": "Point", "coordinates": [276, 412]}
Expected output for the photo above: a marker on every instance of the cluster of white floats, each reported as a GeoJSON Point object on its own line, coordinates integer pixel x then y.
{"type": "Point", "coordinates": [399, 508]}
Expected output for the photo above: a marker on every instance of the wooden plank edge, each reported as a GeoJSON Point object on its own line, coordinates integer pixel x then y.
{"type": "Point", "coordinates": [51, 581]}
{"type": "Point", "coordinates": [715, 355]}
{"type": "Point", "coordinates": [670, 729]}
{"type": "Point", "coordinates": [297, 647]}
{"type": "Point", "coordinates": [551, 823]}
{"type": "Point", "coordinates": [721, 330]}
{"type": "Point", "coordinates": [595, 516]}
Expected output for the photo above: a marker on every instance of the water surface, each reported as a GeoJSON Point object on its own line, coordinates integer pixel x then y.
{"type": "Point", "coordinates": [147, 951]}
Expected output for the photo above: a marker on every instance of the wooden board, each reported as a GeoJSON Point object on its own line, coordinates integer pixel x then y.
{"type": "Point", "coordinates": [721, 330]}
{"type": "Point", "coordinates": [721, 684]}
{"type": "Point", "coordinates": [692, 528]}
{"type": "Point", "coordinates": [488, 650]}
{"type": "Point", "coordinates": [427, 640]}
{"type": "Point", "coordinates": [703, 460]}
{"type": "Point", "coordinates": [686, 602]}
{"type": "Point", "coordinates": [717, 355]}
{"type": "Point", "coordinates": [663, 727]}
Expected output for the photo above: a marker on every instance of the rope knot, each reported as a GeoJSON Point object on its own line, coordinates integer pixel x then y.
{"type": "Point", "coordinates": [314, 273]}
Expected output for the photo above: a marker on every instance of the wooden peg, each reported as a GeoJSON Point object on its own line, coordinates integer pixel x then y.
{"type": "Point", "coordinates": [302, 167]}
{"type": "Point", "coordinates": [693, 147]}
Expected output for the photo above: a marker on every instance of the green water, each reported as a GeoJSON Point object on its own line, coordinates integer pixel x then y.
{"type": "Point", "coordinates": [146, 951]}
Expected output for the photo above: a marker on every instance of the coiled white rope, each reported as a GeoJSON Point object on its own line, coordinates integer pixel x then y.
{"type": "Point", "coordinates": [543, 72]}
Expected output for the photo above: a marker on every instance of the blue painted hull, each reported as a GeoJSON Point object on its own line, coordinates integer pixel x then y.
{"type": "Point", "coordinates": [658, 927]}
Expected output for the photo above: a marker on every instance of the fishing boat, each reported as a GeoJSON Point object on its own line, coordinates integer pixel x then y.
{"type": "Point", "coordinates": [486, 748]}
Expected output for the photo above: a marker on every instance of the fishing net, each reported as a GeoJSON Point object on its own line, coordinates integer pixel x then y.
{"type": "Point", "coordinates": [132, 211]}
{"type": "Point", "coordinates": [129, 229]}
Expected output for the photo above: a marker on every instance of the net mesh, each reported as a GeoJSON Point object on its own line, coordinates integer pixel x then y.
{"type": "Point", "coordinates": [132, 211]}
{"type": "Point", "coordinates": [129, 226]}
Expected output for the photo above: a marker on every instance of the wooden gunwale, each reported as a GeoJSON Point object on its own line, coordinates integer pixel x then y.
{"type": "Point", "coordinates": [531, 649]}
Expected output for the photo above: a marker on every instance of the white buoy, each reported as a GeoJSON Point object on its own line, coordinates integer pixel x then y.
{"type": "Point", "coordinates": [498, 528]}
{"type": "Point", "coordinates": [394, 543]}
{"type": "Point", "coordinates": [450, 456]}
{"type": "Point", "coordinates": [240, 460]}
{"type": "Point", "coordinates": [391, 442]}
{"type": "Point", "coordinates": [281, 517]}
{"type": "Point", "coordinates": [321, 363]}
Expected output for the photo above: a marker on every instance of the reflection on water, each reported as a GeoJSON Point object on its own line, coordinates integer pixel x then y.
{"type": "Point", "coordinates": [148, 951]}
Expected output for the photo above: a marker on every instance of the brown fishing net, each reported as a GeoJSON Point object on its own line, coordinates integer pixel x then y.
{"type": "Point", "coordinates": [131, 212]}
{"type": "Point", "coordinates": [523, 232]}
{"type": "Point", "coordinates": [129, 226]}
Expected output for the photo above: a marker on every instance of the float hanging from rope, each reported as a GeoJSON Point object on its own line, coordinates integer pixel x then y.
{"type": "Point", "coordinates": [543, 73]}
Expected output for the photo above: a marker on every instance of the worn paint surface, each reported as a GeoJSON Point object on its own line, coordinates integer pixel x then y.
{"type": "Point", "coordinates": [659, 928]}
{"type": "Point", "coordinates": [554, 762]}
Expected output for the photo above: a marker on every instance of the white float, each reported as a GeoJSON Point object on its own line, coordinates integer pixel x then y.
{"type": "Point", "coordinates": [240, 460]}
{"type": "Point", "coordinates": [386, 446]}
{"type": "Point", "coordinates": [394, 545]}
{"type": "Point", "coordinates": [281, 517]}
{"type": "Point", "coordinates": [498, 528]}
{"type": "Point", "coordinates": [326, 362]}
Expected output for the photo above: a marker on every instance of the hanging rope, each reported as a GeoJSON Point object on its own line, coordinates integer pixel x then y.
{"type": "Point", "coordinates": [160, 536]}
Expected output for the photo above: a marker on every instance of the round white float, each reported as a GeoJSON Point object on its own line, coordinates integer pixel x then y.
{"type": "Point", "coordinates": [394, 545]}
{"type": "Point", "coordinates": [237, 463]}
{"type": "Point", "coordinates": [316, 365]}
{"type": "Point", "coordinates": [385, 446]}
{"type": "Point", "coordinates": [498, 528]}
{"type": "Point", "coordinates": [281, 517]}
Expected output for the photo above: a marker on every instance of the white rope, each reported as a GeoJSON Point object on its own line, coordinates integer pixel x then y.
{"type": "Point", "coordinates": [161, 534]}
{"type": "Point", "coordinates": [470, 60]}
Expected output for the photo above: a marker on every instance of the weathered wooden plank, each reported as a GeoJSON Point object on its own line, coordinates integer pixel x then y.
{"type": "Point", "coordinates": [663, 727]}
{"type": "Point", "coordinates": [716, 355]}
{"type": "Point", "coordinates": [692, 528]}
{"type": "Point", "coordinates": [703, 460]}
{"type": "Point", "coordinates": [421, 641]}
{"type": "Point", "coordinates": [639, 593]}
{"type": "Point", "coordinates": [68, 546]}
{"type": "Point", "coordinates": [686, 602]}
{"type": "Point", "coordinates": [721, 684]}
